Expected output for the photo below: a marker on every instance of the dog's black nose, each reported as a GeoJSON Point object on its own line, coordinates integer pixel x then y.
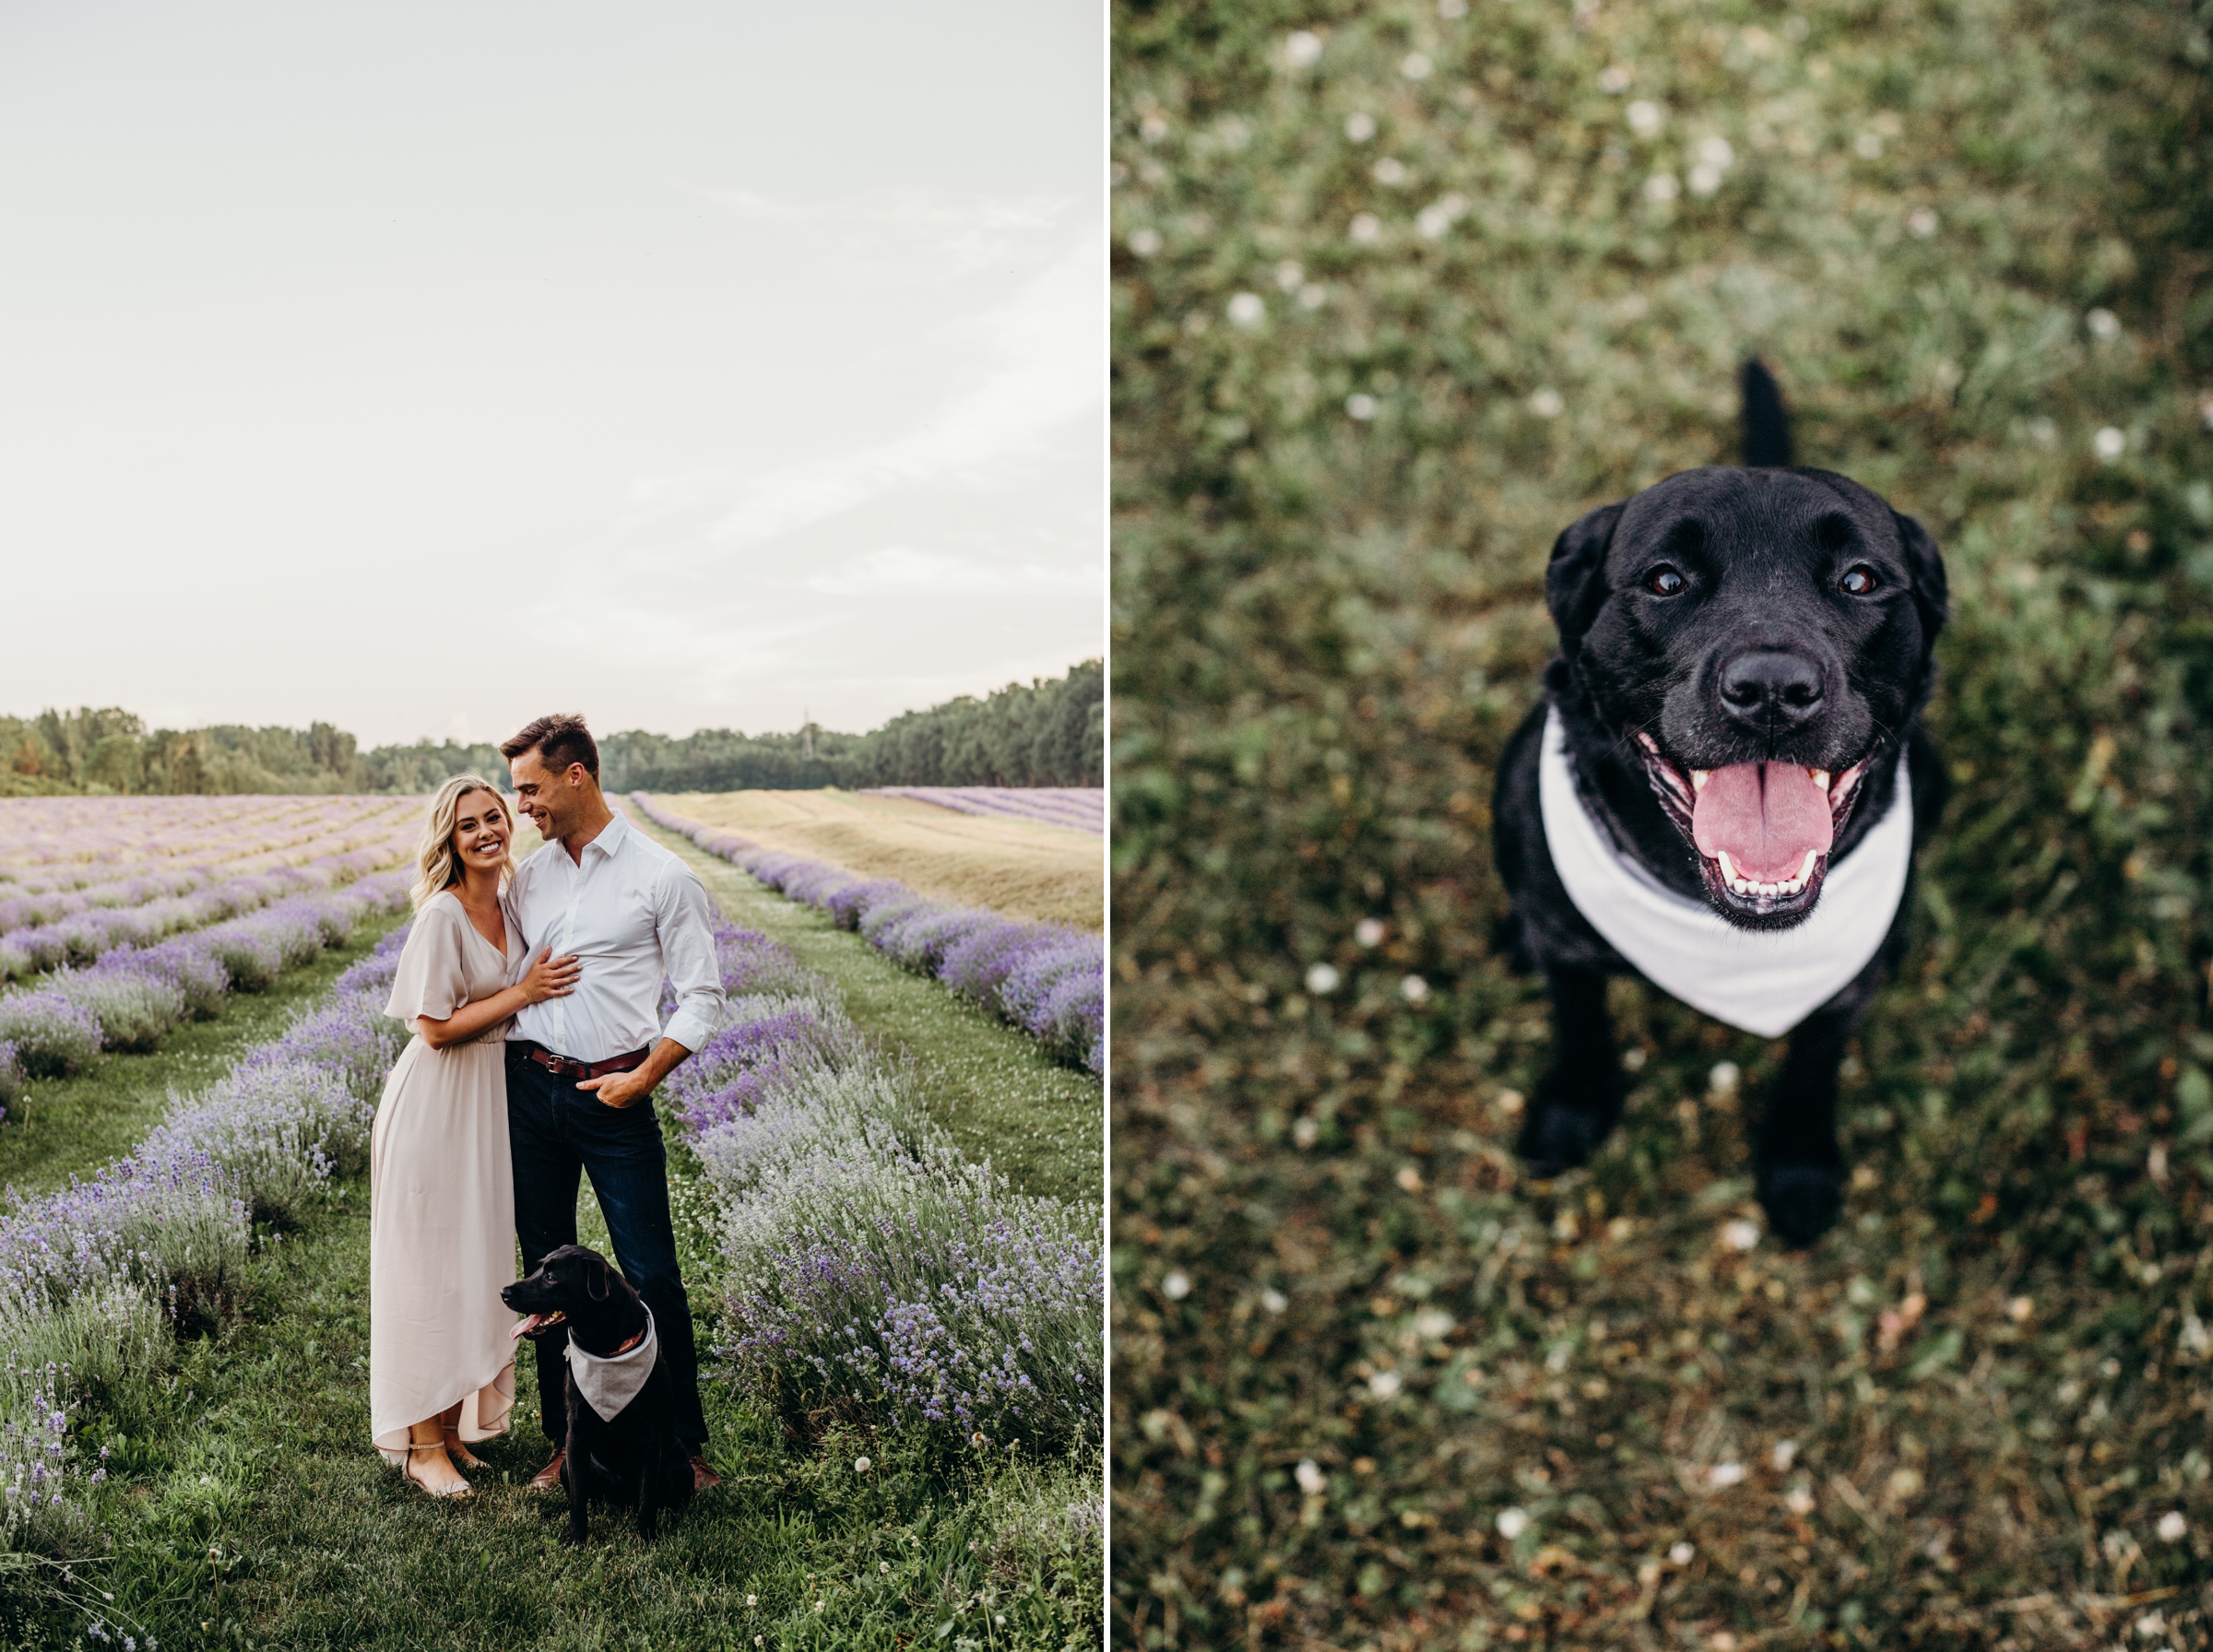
{"type": "Point", "coordinates": [1771, 684]}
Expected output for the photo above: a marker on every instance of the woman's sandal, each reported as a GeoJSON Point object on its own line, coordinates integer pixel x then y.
{"type": "Point", "coordinates": [406, 1469]}
{"type": "Point", "coordinates": [460, 1453]}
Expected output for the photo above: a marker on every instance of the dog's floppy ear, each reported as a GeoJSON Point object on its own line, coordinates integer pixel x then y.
{"type": "Point", "coordinates": [1930, 595]}
{"type": "Point", "coordinates": [1575, 578]}
{"type": "Point", "coordinates": [597, 1276]}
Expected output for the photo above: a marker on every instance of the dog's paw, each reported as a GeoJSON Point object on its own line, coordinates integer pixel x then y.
{"type": "Point", "coordinates": [1801, 1200]}
{"type": "Point", "coordinates": [1558, 1138]}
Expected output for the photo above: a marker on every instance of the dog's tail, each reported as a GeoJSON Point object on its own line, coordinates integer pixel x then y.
{"type": "Point", "coordinates": [1767, 420]}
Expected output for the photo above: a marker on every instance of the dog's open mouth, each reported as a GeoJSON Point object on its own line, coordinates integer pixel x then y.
{"type": "Point", "coordinates": [1762, 830]}
{"type": "Point", "coordinates": [538, 1323]}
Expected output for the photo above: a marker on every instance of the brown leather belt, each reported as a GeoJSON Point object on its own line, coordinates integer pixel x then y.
{"type": "Point", "coordinates": [560, 1067]}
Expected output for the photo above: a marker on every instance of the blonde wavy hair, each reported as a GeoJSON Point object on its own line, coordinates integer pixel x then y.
{"type": "Point", "coordinates": [435, 869]}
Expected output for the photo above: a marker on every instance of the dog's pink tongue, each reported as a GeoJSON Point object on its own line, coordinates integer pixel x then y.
{"type": "Point", "coordinates": [1766, 814]}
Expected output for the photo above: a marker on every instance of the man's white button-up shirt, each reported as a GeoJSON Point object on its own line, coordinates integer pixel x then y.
{"type": "Point", "coordinates": [632, 912]}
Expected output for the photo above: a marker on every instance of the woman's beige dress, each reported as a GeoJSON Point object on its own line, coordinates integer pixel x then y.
{"type": "Point", "coordinates": [441, 1196]}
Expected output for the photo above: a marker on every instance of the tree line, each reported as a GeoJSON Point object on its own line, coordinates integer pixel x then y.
{"type": "Point", "coordinates": [1047, 732]}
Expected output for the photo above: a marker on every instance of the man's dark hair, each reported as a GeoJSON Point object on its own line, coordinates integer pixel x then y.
{"type": "Point", "coordinates": [559, 741]}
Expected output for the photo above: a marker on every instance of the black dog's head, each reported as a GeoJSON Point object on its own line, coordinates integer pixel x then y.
{"type": "Point", "coordinates": [1763, 638]}
{"type": "Point", "coordinates": [577, 1288]}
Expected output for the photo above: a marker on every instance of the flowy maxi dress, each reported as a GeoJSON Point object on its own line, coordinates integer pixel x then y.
{"type": "Point", "coordinates": [441, 1196]}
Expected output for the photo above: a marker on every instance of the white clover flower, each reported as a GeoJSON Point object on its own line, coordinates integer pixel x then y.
{"type": "Point", "coordinates": [1715, 152]}
{"type": "Point", "coordinates": [1799, 1500]}
{"type": "Point", "coordinates": [1783, 1455]}
{"type": "Point", "coordinates": [1547, 403]}
{"type": "Point", "coordinates": [1275, 1301]}
{"type": "Point", "coordinates": [1645, 117]}
{"type": "Point", "coordinates": [1144, 243]}
{"type": "Point", "coordinates": [1433, 1322]}
{"type": "Point", "coordinates": [2103, 323]}
{"type": "Point", "coordinates": [1303, 49]}
{"type": "Point", "coordinates": [1922, 222]}
{"type": "Point", "coordinates": [1311, 1480]}
{"type": "Point", "coordinates": [1722, 1476]}
{"type": "Point", "coordinates": [1323, 979]}
{"type": "Point", "coordinates": [1511, 1523]}
{"type": "Point", "coordinates": [1741, 1235]}
{"type": "Point", "coordinates": [1177, 1286]}
{"type": "Point", "coordinates": [1367, 229]}
{"type": "Point", "coordinates": [1368, 932]}
{"type": "Point", "coordinates": [1451, 10]}
{"type": "Point", "coordinates": [1289, 274]}
{"type": "Point", "coordinates": [1681, 1555]}
{"type": "Point", "coordinates": [861, 1465]}
{"type": "Point", "coordinates": [1247, 309]}
{"type": "Point", "coordinates": [1153, 128]}
{"type": "Point", "coordinates": [1705, 180]}
{"type": "Point", "coordinates": [1868, 146]}
{"type": "Point", "coordinates": [2173, 1527]}
{"type": "Point", "coordinates": [1414, 990]}
{"type": "Point", "coordinates": [884, 1567]}
{"type": "Point", "coordinates": [2043, 432]}
{"type": "Point", "coordinates": [1359, 127]}
{"type": "Point", "coordinates": [1385, 1384]}
{"type": "Point", "coordinates": [1389, 171]}
{"type": "Point", "coordinates": [1313, 295]}
{"type": "Point", "coordinates": [1662, 187]}
{"type": "Point", "coordinates": [1415, 66]}
{"type": "Point", "coordinates": [1724, 1077]}
{"type": "Point", "coordinates": [2110, 444]}
{"type": "Point", "coordinates": [1614, 80]}
{"type": "Point", "coordinates": [1305, 1132]}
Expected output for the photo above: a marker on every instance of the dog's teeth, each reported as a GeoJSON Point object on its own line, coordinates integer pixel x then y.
{"type": "Point", "coordinates": [1729, 870]}
{"type": "Point", "coordinates": [1820, 777]}
{"type": "Point", "coordinates": [1698, 777]}
{"type": "Point", "coordinates": [1805, 872]}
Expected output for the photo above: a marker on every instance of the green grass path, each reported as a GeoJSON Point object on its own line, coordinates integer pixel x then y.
{"type": "Point", "coordinates": [260, 1516]}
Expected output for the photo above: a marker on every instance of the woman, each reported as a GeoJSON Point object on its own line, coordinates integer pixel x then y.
{"type": "Point", "coordinates": [441, 1191]}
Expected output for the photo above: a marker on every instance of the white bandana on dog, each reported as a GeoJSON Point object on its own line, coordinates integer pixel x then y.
{"type": "Point", "coordinates": [1763, 981]}
{"type": "Point", "coordinates": [608, 1384]}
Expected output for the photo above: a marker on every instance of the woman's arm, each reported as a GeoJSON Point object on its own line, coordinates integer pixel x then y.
{"type": "Point", "coordinates": [549, 978]}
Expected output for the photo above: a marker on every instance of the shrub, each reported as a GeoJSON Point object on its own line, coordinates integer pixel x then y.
{"type": "Point", "coordinates": [53, 1034]}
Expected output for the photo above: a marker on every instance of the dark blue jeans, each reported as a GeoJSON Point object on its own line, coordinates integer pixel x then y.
{"type": "Point", "coordinates": [555, 1129]}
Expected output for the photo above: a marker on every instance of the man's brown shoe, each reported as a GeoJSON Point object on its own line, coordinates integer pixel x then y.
{"type": "Point", "coordinates": [548, 1479]}
{"type": "Point", "coordinates": [703, 1478]}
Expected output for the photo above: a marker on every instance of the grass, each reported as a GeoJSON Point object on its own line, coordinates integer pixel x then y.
{"type": "Point", "coordinates": [1372, 1387]}
{"type": "Point", "coordinates": [246, 1508]}
{"type": "Point", "coordinates": [1003, 1100]}
{"type": "Point", "coordinates": [67, 1126]}
{"type": "Point", "coordinates": [1024, 869]}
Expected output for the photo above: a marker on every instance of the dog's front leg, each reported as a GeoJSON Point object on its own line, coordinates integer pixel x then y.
{"type": "Point", "coordinates": [649, 1485]}
{"type": "Point", "coordinates": [572, 1476]}
{"type": "Point", "coordinates": [1580, 1100]}
{"type": "Point", "coordinates": [1800, 1168]}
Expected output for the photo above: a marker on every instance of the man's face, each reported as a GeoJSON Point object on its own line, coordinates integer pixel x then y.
{"type": "Point", "coordinates": [551, 800]}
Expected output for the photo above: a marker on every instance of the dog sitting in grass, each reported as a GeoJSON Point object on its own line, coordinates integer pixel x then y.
{"type": "Point", "coordinates": [1724, 784]}
{"type": "Point", "coordinates": [621, 1444]}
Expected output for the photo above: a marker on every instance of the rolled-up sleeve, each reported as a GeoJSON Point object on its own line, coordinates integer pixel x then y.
{"type": "Point", "coordinates": [684, 921]}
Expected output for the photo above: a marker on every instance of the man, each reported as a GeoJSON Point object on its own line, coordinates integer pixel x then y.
{"type": "Point", "coordinates": [581, 1070]}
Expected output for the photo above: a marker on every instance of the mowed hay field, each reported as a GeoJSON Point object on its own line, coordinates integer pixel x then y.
{"type": "Point", "coordinates": [1049, 873]}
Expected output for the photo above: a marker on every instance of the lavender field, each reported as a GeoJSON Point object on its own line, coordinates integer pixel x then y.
{"type": "Point", "coordinates": [1081, 808]}
{"type": "Point", "coordinates": [1049, 980]}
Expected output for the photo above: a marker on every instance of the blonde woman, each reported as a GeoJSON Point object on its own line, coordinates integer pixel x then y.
{"type": "Point", "coordinates": [440, 1186]}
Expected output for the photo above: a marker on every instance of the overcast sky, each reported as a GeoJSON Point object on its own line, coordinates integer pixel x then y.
{"type": "Point", "coordinates": [424, 368]}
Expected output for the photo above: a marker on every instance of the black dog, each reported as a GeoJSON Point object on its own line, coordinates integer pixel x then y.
{"type": "Point", "coordinates": [633, 1459]}
{"type": "Point", "coordinates": [1745, 654]}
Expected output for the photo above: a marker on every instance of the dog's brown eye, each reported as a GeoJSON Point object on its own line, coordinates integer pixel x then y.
{"type": "Point", "coordinates": [1663, 581]}
{"type": "Point", "coordinates": [1858, 581]}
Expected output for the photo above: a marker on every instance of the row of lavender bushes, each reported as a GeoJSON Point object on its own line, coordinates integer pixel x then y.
{"type": "Point", "coordinates": [168, 902]}
{"type": "Point", "coordinates": [134, 997]}
{"type": "Point", "coordinates": [870, 1268]}
{"type": "Point", "coordinates": [1048, 979]}
{"type": "Point", "coordinates": [95, 1280]}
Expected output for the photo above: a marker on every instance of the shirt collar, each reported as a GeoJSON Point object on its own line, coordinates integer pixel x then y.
{"type": "Point", "coordinates": [609, 841]}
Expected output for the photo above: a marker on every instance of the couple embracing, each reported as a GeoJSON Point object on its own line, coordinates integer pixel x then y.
{"type": "Point", "coordinates": [534, 995]}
